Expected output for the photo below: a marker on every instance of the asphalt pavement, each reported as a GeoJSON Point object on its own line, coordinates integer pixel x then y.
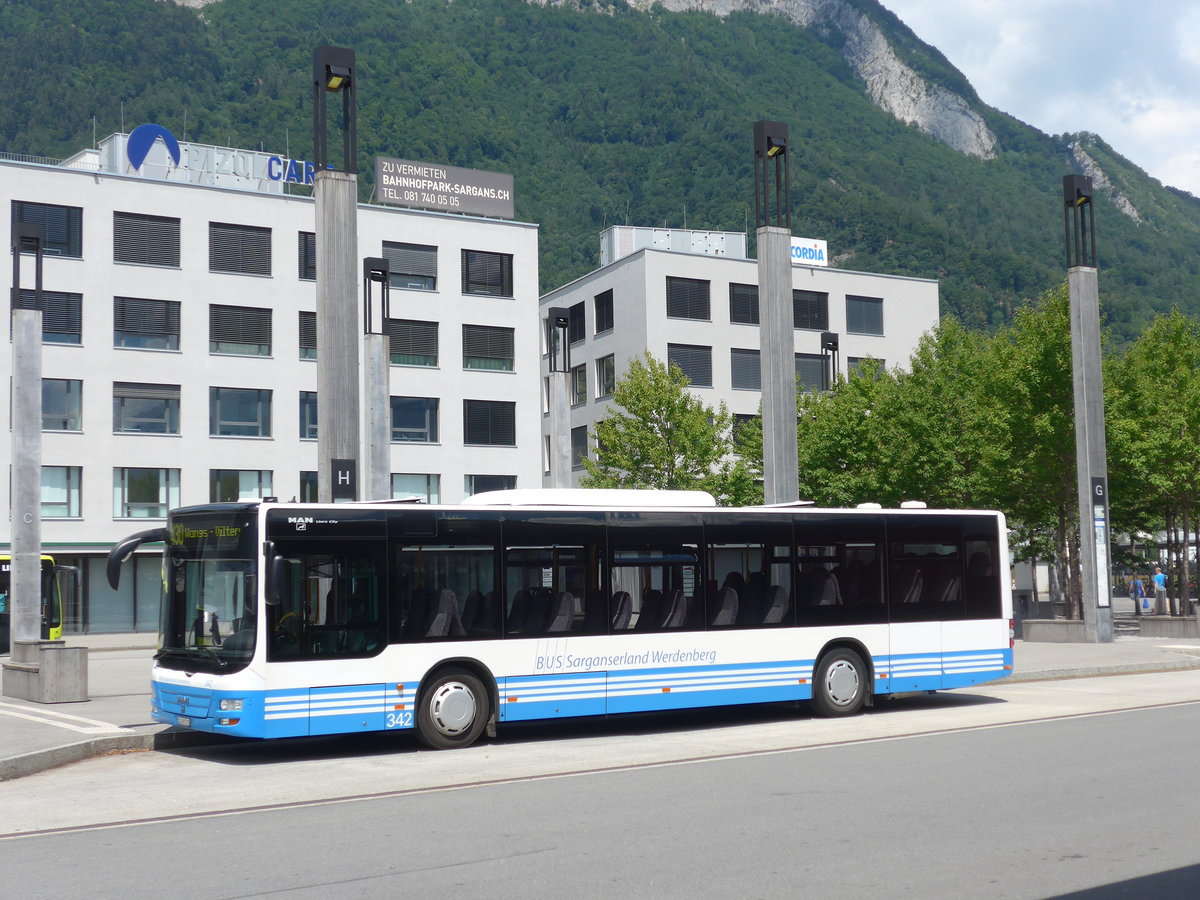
{"type": "Point", "coordinates": [116, 717]}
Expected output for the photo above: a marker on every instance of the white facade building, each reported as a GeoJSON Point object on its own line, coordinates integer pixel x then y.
{"type": "Point", "coordinates": [179, 351]}
{"type": "Point", "coordinates": [698, 308]}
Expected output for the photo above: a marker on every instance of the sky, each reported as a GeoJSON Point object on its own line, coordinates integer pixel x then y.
{"type": "Point", "coordinates": [1127, 71]}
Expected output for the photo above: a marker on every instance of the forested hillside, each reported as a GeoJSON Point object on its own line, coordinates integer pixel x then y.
{"type": "Point", "coordinates": [607, 114]}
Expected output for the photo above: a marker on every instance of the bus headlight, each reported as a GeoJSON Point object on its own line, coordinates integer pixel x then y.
{"type": "Point", "coordinates": [230, 704]}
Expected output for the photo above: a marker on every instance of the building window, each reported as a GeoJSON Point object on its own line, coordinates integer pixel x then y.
{"type": "Point", "coordinates": [413, 343]}
{"type": "Point", "coordinates": [62, 316]}
{"type": "Point", "coordinates": [743, 304]}
{"type": "Point", "coordinates": [239, 412]}
{"type": "Point", "coordinates": [695, 361]}
{"type": "Point", "coordinates": [308, 415]}
{"type": "Point", "coordinates": [239, 249]}
{"type": "Point", "coordinates": [145, 240]}
{"type": "Point", "coordinates": [64, 226]}
{"type": "Point", "coordinates": [145, 324]}
{"type": "Point", "coordinates": [604, 311]}
{"type": "Point", "coordinates": [810, 309]}
{"type": "Point", "coordinates": [145, 408]}
{"type": "Point", "coordinates": [746, 370]}
{"type": "Point", "coordinates": [740, 421]}
{"type": "Point", "coordinates": [427, 487]}
{"type": "Point", "coordinates": [308, 487]}
{"type": "Point", "coordinates": [414, 420]}
{"type": "Point", "coordinates": [579, 392]}
{"type": "Point", "coordinates": [487, 273]}
{"type": "Point", "coordinates": [811, 372]}
{"type": "Point", "coordinates": [490, 422]}
{"type": "Point", "coordinates": [578, 446]}
{"type": "Point", "coordinates": [144, 493]}
{"type": "Point", "coordinates": [239, 330]}
{"type": "Point", "coordinates": [61, 491]}
{"type": "Point", "coordinates": [874, 365]}
{"type": "Point", "coordinates": [577, 323]}
{"type": "Point", "coordinates": [864, 315]}
{"type": "Point", "coordinates": [606, 376]}
{"type": "Point", "coordinates": [62, 404]}
{"type": "Point", "coordinates": [308, 335]}
{"type": "Point", "coordinates": [687, 298]}
{"type": "Point", "coordinates": [232, 485]}
{"type": "Point", "coordinates": [486, 347]}
{"type": "Point", "coordinates": [411, 266]}
{"type": "Point", "coordinates": [478, 484]}
{"type": "Point", "coordinates": [306, 252]}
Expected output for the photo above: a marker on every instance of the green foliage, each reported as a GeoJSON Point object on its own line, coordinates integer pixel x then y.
{"type": "Point", "coordinates": [609, 115]}
{"type": "Point", "coordinates": [664, 437]}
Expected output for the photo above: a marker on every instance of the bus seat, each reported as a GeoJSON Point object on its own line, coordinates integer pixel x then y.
{"type": "Point", "coordinates": [676, 613]}
{"type": "Point", "coordinates": [727, 608]}
{"type": "Point", "coordinates": [519, 611]}
{"type": "Point", "coordinates": [470, 610]}
{"type": "Point", "coordinates": [562, 613]}
{"type": "Point", "coordinates": [445, 621]}
{"type": "Point", "coordinates": [418, 614]}
{"type": "Point", "coordinates": [622, 610]}
{"type": "Point", "coordinates": [908, 583]}
{"type": "Point", "coordinates": [777, 606]}
{"type": "Point", "coordinates": [539, 611]}
{"type": "Point", "coordinates": [595, 613]}
{"type": "Point", "coordinates": [650, 617]}
{"type": "Point", "coordinates": [825, 590]}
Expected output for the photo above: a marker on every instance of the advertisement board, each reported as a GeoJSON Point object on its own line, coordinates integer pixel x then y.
{"type": "Point", "coordinates": [403, 182]}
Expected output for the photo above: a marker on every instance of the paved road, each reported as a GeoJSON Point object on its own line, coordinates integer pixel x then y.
{"type": "Point", "coordinates": [1025, 790]}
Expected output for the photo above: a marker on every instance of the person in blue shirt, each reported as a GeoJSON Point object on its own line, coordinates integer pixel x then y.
{"type": "Point", "coordinates": [1160, 592]}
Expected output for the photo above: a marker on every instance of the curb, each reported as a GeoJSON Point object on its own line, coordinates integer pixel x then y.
{"type": "Point", "coordinates": [1100, 671]}
{"type": "Point", "coordinates": [41, 760]}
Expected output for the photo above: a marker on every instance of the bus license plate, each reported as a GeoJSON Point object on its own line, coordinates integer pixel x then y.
{"type": "Point", "coordinates": [184, 721]}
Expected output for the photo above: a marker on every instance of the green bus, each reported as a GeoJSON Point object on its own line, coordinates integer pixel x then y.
{"type": "Point", "coordinates": [56, 581]}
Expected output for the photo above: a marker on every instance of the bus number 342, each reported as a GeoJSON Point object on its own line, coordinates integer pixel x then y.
{"type": "Point", "coordinates": [399, 720]}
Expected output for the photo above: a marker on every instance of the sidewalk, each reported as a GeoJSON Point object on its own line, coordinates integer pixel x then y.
{"type": "Point", "coordinates": [116, 718]}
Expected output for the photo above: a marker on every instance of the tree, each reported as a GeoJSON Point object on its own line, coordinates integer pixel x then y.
{"type": "Point", "coordinates": [1154, 420]}
{"type": "Point", "coordinates": [664, 437]}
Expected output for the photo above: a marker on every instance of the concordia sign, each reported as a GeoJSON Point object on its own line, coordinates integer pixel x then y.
{"type": "Point", "coordinates": [809, 252]}
{"type": "Point", "coordinates": [402, 182]}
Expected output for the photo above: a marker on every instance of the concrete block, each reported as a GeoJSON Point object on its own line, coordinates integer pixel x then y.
{"type": "Point", "coordinates": [1058, 631]}
{"type": "Point", "coordinates": [46, 672]}
{"type": "Point", "coordinates": [1169, 626]}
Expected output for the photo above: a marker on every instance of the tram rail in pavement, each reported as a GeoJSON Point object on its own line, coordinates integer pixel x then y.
{"type": "Point", "coordinates": [116, 717]}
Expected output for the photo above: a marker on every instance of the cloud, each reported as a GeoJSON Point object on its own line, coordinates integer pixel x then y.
{"type": "Point", "coordinates": [1127, 76]}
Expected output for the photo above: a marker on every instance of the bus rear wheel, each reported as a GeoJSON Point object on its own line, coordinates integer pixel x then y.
{"type": "Point", "coordinates": [453, 711]}
{"type": "Point", "coordinates": [839, 683]}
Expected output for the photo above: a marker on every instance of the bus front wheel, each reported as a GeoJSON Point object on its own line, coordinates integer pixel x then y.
{"type": "Point", "coordinates": [453, 710]}
{"type": "Point", "coordinates": [839, 683]}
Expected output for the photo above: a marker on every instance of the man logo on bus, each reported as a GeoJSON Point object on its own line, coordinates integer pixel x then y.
{"type": "Point", "coordinates": [301, 522]}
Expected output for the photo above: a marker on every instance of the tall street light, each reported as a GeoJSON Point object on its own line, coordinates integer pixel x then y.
{"type": "Point", "coordinates": [26, 493]}
{"type": "Point", "coordinates": [336, 195]}
{"type": "Point", "coordinates": [1079, 229]}
{"type": "Point", "coordinates": [777, 356]}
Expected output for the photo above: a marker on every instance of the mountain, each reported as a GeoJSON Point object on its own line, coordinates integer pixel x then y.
{"type": "Point", "coordinates": [608, 112]}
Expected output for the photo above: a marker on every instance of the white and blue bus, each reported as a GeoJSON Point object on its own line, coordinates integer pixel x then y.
{"type": "Point", "coordinates": [282, 620]}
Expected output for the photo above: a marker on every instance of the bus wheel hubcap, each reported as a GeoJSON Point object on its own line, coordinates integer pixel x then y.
{"type": "Point", "coordinates": [452, 707]}
{"type": "Point", "coordinates": [842, 683]}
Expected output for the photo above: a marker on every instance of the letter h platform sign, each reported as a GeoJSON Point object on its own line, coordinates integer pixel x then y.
{"type": "Point", "coordinates": [344, 479]}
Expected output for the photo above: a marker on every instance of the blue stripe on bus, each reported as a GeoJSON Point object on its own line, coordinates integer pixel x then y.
{"type": "Point", "coordinates": [377, 707]}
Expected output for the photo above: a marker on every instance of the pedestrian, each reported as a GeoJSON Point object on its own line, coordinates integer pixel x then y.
{"type": "Point", "coordinates": [1137, 593]}
{"type": "Point", "coordinates": [1160, 591]}
{"type": "Point", "coordinates": [216, 630]}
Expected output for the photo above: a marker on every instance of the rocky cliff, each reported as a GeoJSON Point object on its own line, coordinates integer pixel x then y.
{"type": "Point", "coordinates": [890, 82]}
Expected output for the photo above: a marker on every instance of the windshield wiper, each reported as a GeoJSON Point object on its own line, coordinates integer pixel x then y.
{"type": "Point", "coordinates": [190, 653]}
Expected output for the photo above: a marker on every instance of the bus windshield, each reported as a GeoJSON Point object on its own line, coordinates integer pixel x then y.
{"type": "Point", "coordinates": [208, 612]}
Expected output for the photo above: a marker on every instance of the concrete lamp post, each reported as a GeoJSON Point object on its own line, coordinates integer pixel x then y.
{"type": "Point", "coordinates": [558, 346]}
{"type": "Point", "coordinates": [336, 194]}
{"type": "Point", "coordinates": [1086, 374]}
{"type": "Point", "coordinates": [777, 354]}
